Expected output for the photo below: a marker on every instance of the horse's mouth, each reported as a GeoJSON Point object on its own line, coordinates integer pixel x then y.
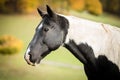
{"type": "Point", "coordinates": [32, 63]}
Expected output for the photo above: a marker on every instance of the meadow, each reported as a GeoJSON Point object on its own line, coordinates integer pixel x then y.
{"type": "Point", "coordinates": [60, 64]}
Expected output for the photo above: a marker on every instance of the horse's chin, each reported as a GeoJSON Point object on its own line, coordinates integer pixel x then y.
{"type": "Point", "coordinates": [35, 64]}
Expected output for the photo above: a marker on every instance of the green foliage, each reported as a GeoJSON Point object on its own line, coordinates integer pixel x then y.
{"type": "Point", "coordinates": [10, 45]}
{"type": "Point", "coordinates": [112, 6]}
{"type": "Point", "coordinates": [2, 6]}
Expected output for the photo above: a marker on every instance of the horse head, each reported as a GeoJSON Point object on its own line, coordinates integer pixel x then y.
{"type": "Point", "coordinates": [49, 35]}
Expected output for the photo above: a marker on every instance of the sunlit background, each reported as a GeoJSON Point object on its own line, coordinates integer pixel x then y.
{"type": "Point", "coordinates": [18, 20]}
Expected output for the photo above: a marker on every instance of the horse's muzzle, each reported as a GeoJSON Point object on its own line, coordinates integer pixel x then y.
{"type": "Point", "coordinates": [33, 63]}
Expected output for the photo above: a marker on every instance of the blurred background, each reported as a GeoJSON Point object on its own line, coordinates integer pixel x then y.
{"type": "Point", "coordinates": [18, 20]}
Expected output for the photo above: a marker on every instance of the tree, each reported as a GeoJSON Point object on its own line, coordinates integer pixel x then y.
{"type": "Point", "coordinates": [112, 6]}
{"type": "Point", "coordinates": [78, 5]}
{"type": "Point", "coordinates": [94, 6]}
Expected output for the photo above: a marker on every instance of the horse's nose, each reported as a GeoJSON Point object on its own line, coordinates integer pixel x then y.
{"type": "Point", "coordinates": [27, 57]}
{"type": "Point", "coordinates": [33, 58]}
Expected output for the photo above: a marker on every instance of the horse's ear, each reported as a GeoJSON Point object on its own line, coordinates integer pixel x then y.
{"type": "Point", "coordinates": [40, 12]}
{"type": "Point", "coordinates": [50, 12]}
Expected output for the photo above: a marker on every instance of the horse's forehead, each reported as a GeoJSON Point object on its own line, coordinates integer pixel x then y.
{"type": "Point", "coordinates": [45, 21]}
{"type": "Point", "coordinates": [41, 25]}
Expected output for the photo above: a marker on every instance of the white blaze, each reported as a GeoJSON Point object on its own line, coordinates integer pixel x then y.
{"type": "Point", "coordinates": [27, 53]}
{"type": "Point", "coordinates": [40, 26]}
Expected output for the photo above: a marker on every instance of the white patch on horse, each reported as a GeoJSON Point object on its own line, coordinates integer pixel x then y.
{"type": "Point", "coordinates": [40, 26]}
{"type": "Point", "coordinates": [27, 53]}
{"type": "Point", "coordinates": [28, 50]}
{"type": "Point", "coordinates": [95, 35]}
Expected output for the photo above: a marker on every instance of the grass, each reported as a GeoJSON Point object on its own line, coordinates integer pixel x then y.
{"type": "Point", "coordinates": [14, 67]}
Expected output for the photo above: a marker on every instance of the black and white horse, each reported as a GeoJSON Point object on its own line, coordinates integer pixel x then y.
{"type": "Point", "coordinates": [57, 30]}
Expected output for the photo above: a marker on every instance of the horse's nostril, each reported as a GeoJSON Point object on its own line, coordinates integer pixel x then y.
{"type": "Point", "coordinates": [32, 59]}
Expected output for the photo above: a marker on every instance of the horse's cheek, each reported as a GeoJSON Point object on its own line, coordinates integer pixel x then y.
{"type": "Point", "coordinates": [53, 41]}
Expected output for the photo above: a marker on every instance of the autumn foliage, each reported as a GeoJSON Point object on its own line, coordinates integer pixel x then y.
{"type": "Point", "coordinates": [29, 6]}
{"type": "Point", "coordinates": [18, 6]}
{"type": "Point", "coordinates": [94, 6]}
{"type": "Point", "coordinates": [78, 5]}
{"type": "Point", "coordinates": [10, 44]}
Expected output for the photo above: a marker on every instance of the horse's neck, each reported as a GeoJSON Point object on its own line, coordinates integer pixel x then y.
{"type": "Point", "coordinates": [81, 30]}
{"type": "Point", "coordinates": [104, 39]}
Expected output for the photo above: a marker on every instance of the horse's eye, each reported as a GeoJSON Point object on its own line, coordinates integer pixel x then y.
{"type": "Point", "coordinates": [45, 29]}
{"type": "Point", "coordinates": [52, 27]}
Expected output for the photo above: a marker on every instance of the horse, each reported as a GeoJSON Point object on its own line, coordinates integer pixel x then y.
{"type": "Point", "coordinates": [57, 30]}
{"type": "Point", "coordinates": [99, 68]}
